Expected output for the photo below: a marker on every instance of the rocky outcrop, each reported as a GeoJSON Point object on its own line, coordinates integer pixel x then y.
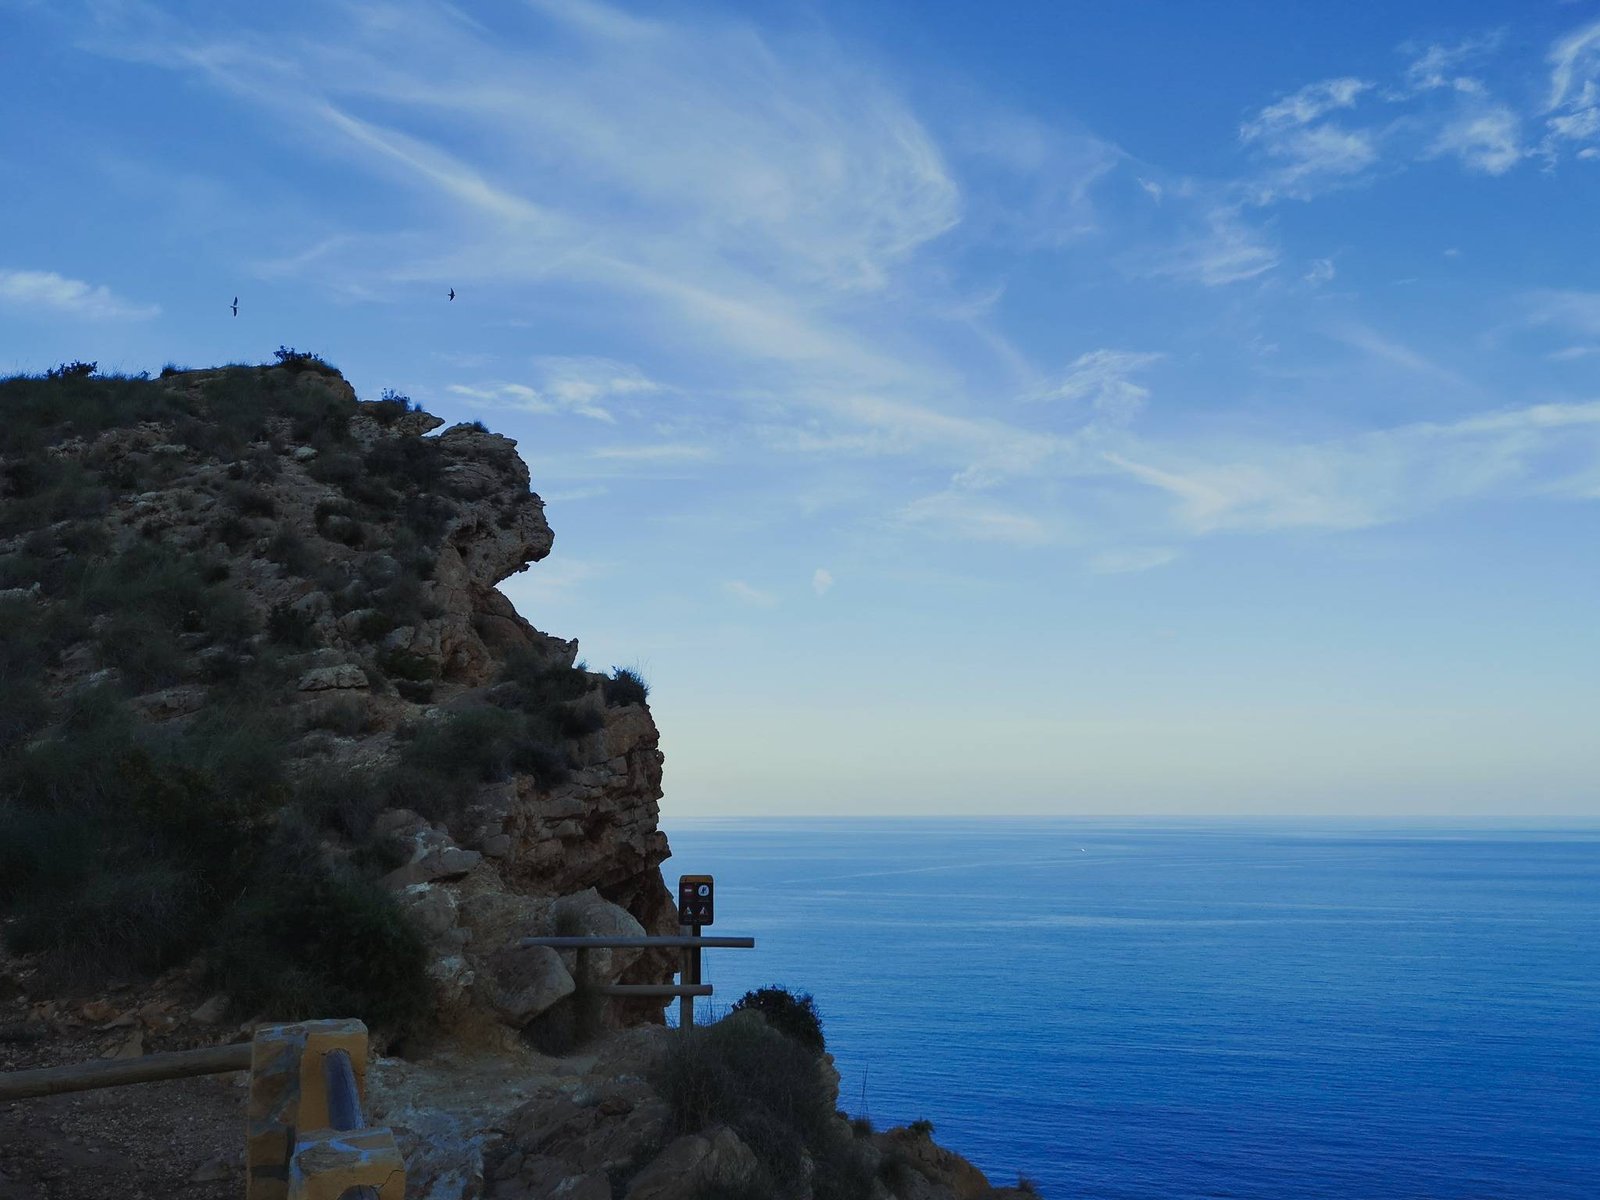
{"type": "Point", "coordinates": [366, 549]}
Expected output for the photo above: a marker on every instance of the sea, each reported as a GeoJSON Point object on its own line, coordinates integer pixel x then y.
{"type": "Point", "coordinates": [1178, 1011]}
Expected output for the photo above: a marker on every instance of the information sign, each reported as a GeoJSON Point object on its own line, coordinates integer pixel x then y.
{"type": "Point", "coordinates": [695, 894]}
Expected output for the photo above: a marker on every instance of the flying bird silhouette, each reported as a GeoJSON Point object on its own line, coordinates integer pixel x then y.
{"type": "Point", "coordinates": [236, 306]}
{"type": "Point", "coordinates": [452, 293]}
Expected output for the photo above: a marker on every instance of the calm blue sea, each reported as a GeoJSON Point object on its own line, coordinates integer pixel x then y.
{"type": "Point", "coordinates": [1162, 1011]}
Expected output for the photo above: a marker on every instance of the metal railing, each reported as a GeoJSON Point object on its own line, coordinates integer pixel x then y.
{"type": "Point", "coordinates": [687, 939]}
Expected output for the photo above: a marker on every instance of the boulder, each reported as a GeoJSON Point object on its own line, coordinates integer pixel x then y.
{"type": "Point", "coordinates": [694, 1164]}
{"type": "Point", "coordinates": [521, 982]}
{"type": "Point", "coordinates": [323, 679]}
{"type": "Point", "coordinates": [588, 914]}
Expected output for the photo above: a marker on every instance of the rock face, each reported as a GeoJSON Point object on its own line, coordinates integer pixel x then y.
{"type": "Point", "coordinates": [367, 555]}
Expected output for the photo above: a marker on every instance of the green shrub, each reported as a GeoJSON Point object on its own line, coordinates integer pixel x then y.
{"type": "Point", "coordinates": [135, 920]}
{"type": "Point", "coordinates": [301, 360]}
{"type": "Point", "coordinates": [345, 799]}
{"type": "Point", "coordinates": [482, 743]}
{"type": "Point", "coordinates": [793, 1014]}
{"type": "Point", "coordinates": [389, 407]}
{"type": "Point", "coordinates": [291, 551]}
{"type": "Point", "coordinates": [402, 664]}
{"type": "Point", "coordinates": [742, 1073]}
{"type": "Point", "coordinates": [41, 411]}
{"type": "Point", "coordinates": [626, 686]}
{"type": "Point", "coordinates": [921, 1127]}
{"type": "Point", "coordinates": [335, 469]}
{"type": "Point", "coordinates": [72, 370]}
{"type": "Point", "coordinates": [408, 464]}
{"type": "Point", "coordinates": [344, 715]}
{"type": "Point", "coordinates": [144, 649]}
{"type": "Point", "coordinates": [314, 940]}
{"type": "Point", "coordinates": [23, 709]}
{"type": "Point", "coordinates": [42, 851]}
{"type": "Point", "coordinates": [249, 500]}
{"type": "Point", "coordinates": [42, 491]}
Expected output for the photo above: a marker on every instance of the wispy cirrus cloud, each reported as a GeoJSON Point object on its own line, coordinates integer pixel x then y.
{"type": "Point", "coordinates": [1224, 249]}
{"type": "Point", "coordinates": [580, 385]}
{"type": "Point", "coordinates": [1310, 151]}
{"type": "Point", "coordinates": [1376, 477]}
{"type": "Point", "coordinates": [655, 452]}
{"type": "Point", "coordinates": [1103, 379]}
{"type": "Point", "coordinates": [595, 155]}
{"type": "Point", "coordinates": [24, 290]}
{"type": "Point", "coordinates": [1573, 108]}
{"type": "Point", "coordinates": [1130, 560]}
{"type": "Point", "coordinates": [961, 515]}
{"type": "Point", "coordinates": [1487, 139]}
{"type": "Point", "coordinates": [1437, 65]}
{"type": "Point", "coordinates": [748, 594]}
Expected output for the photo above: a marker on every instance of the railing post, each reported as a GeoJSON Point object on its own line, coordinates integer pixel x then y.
{"type": "Point", "coordinates": [688, 972]}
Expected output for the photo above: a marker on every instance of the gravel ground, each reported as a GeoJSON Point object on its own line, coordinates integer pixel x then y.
{"type": "Point", "coordinates": [181, 1138]}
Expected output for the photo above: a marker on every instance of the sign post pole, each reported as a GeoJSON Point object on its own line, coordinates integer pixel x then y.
{"type": "Point", "coordinates": [685, 970]}
{"type": "Point", "coordinates": [695, 909]}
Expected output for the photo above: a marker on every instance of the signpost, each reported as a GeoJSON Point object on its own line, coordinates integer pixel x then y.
{"type": "Point", "coordinates": [696, 896]}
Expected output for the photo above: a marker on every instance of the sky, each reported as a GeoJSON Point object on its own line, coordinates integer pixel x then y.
{"type": "Point", "coordinates": [1027, 408]}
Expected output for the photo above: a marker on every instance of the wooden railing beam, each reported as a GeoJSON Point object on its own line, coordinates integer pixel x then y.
{"type": "Point", "coordinates": [81, 1077]}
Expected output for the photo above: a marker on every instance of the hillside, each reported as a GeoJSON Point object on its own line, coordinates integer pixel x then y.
{"type": "Point", "coordinates": [262, 703]}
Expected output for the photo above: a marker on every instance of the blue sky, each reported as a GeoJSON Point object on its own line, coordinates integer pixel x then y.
{"type": "Point", "coordinates": [1024, 408]}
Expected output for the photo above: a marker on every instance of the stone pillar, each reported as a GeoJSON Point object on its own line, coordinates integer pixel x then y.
{"type": "Point", "coordinates": [288, 1095]}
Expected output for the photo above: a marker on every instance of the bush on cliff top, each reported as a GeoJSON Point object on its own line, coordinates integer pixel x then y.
{"type": "Point", "coordinates": [626, 686]}
{"type": "Point", "coordinates": [793, 1014]}
{"type": "Point", "coordinates": [768, 1088]}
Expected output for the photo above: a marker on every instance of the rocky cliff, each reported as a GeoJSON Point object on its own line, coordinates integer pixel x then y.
{"type": "Point", "coordinates": [273, 745]}
{"type": "Point", "coordinates": [253, 553]}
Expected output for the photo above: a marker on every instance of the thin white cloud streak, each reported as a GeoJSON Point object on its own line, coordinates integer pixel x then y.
{"type": "Point", "coordinates": [1313, 152]}
{"type": "Point", "coordinates": [30, 290]}
{"type": "Point", "coordinates": [1574, 62]}
{"type": "Point", "coordinates": [1225, 251]}
{"type": "Point", "coordinates": [1569, 309]}
{"type": "Point", "coordinates": [1102, 379]}
{"type": "Point", "coordinates": [1299, 109]}
{"type": "Point", "coordinates": [689, 167]}
{"type": "Point", "coordinates": [1376, 477]}
{"type": "Point", "coordinates": [577, 385]}
{"type": "Point", "coordinates": [1489, 140]}
{"type": "Point", "coordinates": [1130, 560]}
{"type": "Point", "coordinates": [1441, 66]}
{"type": "Point", "coordinates": [965, 516]}
{"type": "Point", "coordinates": [1387, 349]}
{"type": "Point", "coordinates": [822, 581]}
{"type": "Point", "coordinates": [665, 452]}
{"type": "Point", "coordinates": [747, 594]}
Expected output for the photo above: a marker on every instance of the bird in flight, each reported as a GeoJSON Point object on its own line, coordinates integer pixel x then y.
{"type": "Point", "coordinates": [236, 306]}
{"type": "Point", "coordinates": [452, 293]}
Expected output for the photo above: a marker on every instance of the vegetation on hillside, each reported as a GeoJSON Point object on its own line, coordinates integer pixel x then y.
{"type": "Point", "coordinates": [129, 845]}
